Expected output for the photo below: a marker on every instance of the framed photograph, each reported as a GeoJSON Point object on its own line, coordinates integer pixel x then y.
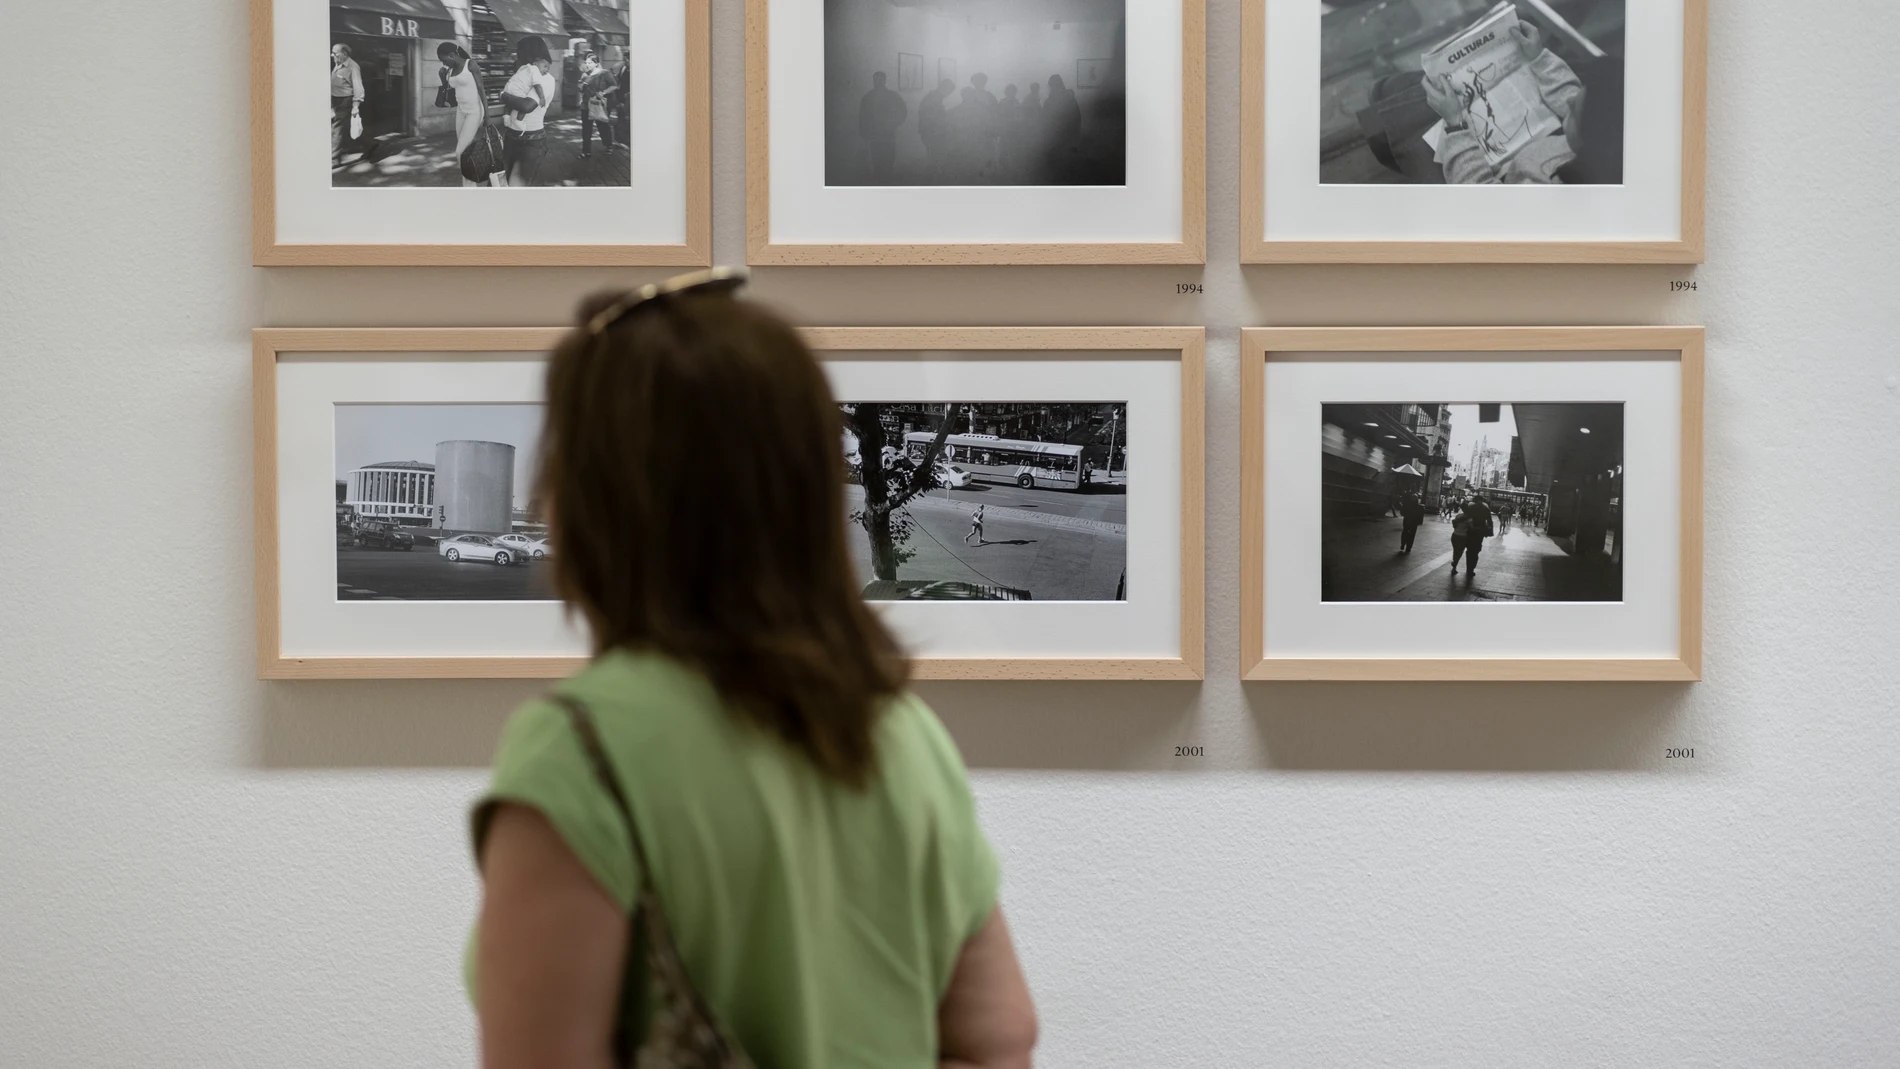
{"type": "Point", "coordinates": [1066, 133]}
{"type": "Point", "coordinates": [420, 445]}
{"type": "Point", "coordinates": [1471, 503]}
{"type": "Point", "coordinates": [1025, 503]}
{"type": "Point", "coordinates": [1040, 515]}
{"type": "Point", "coordinates": [505, 132]}
{"type": "Point", "coordinates": [1472, 131]}
{"type": "Point", "coordinates": [910, 72]}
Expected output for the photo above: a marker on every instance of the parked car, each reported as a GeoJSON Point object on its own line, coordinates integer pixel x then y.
{"type": "Point", "coordinates": [384, 536]}
{"type": "Point", "coordinates": [939, 590]}
{"type": "Point", "coordinates": [527, 548]}
{"type": "Point", "coordinates": [478, 547]}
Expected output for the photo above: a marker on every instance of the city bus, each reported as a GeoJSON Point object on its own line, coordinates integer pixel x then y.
{"type": "Point", "coordinates": [1007, 460]}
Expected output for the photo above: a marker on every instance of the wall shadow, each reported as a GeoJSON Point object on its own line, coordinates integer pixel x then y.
{"type": "Point", "coordinates": [386, 723]}
{"type": "Point", "coordinates": [1491, 727]}
{"type": "Point", "coordinates": [1103, 726]}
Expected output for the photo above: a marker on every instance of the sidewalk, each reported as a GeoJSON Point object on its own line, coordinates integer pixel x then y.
{"type": "Point", "coordinates": [1055, 558]}
{"type": "Point", "coordinates": [400, 161]}
{"type": "Point", "coordinates": [1361, 562]}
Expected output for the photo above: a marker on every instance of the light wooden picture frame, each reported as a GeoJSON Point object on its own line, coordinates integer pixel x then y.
{"type": "Point", "coordinates": [1687, 247]}
{"type": "Point", "coordinates": [1184, 345]}
{"type": "Point", "coordinates": [1261, 347]}
{"type": "Point", "coordinates": [269, 249]}
{"type": "Point", "coordinates": [268, 347]}
{"type": "Point", "coordinates": [764, 248]}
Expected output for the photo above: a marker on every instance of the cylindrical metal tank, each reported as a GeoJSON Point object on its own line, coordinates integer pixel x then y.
{"type": "Point", "coordinates": [475, 485]}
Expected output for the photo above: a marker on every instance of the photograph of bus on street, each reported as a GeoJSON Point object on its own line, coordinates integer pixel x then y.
{"type": "Point", "coordinates": [432, 504]}
{"type": "Point", "coordinates": [1471, 502]}
{"type": "Point", "coordinates": [988, 500]}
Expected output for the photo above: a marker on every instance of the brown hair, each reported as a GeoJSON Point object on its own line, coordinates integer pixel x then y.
{"type": "Point", "coordinates": [692, 468]}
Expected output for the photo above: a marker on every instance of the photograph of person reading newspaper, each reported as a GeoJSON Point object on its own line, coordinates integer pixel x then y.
{"type": "Point", "coordinates": [1468, 92]}
{"type": "Point", "coordinates": [988, 500]}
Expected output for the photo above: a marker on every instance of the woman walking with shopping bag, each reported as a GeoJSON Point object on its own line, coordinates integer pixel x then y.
{"type": "Point", "coordinates": [463, 92]}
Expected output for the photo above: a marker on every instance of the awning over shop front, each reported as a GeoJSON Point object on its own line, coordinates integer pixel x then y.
{"type": "Point", "coordinates": [392, 18]}
{"type": "Point", "coordinates": [526, 16]}
{"type": "Point", "coordinates": [604, 20]}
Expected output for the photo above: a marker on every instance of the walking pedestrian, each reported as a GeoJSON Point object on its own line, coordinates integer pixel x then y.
{"type": "Point", "coordinates": [1413, 511]}
{"type": "Point", "coordinates": [527, 96]}
{"type": "Point", "coordinates": [1477, 526]}
{"type": "Point", "coordinates": [471, 106]}
{"type": "Point", "coordinates": [597, 89]}
{"type": "Point", "coordinates": [976, 526]}
{"type": "Point", "coordinates": [346, 100]}
{"type": "Point", "coordinates": [741, 763]}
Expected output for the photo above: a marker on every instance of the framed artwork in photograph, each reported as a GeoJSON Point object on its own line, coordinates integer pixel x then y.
{"type": "Point", "coordinates": [1472, 131]}
{"type": "Point", "coordinates": [1054, 133]}
{"type": "Point", "coordinates": [1471, 503]}
{"type": "Point", "coordinates": [910, 72]}
{"type": "Point", "coordinates": [419, 447]}
{"type": "Point", "coordinates": [1025, 503]}
{"type": "Point", "coordinates": [481, 132]}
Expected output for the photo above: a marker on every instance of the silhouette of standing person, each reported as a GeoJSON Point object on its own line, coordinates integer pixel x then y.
{"type": "Point", "coordinates": [932, 125]}
{"type": "Point", "coordinates": [1062, 119]}
{"type": "Point", "coordinates": [974, 123]}
{"type": "Point", "coordinates": [880, 113]}
{"type": "Point", "coordinates": [1009, 126]}
{"type": "Point", "coordinates": [1029, 152]}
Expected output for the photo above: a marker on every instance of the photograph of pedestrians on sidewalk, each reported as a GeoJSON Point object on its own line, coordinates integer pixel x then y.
{"type": "Point", "coordinates": [1471, 502]}
{"type": "Point", "coordinates": [508, 93]}
{"type": "Point", "coordinates": [988, 500]}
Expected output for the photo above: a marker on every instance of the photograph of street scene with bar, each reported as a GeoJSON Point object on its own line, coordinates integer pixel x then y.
{"type": "Point", "coordinates": [1471, 502]}
{"type": "Point", "coordinates": [486, 94]}
{"type": "Point", "coordinates": [1471, 92]}
{"type": "Point", "coordinates": [988, 500]}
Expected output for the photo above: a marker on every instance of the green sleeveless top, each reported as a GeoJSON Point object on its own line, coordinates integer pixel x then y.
{"type": "Point", "coordinates": [821, 924]}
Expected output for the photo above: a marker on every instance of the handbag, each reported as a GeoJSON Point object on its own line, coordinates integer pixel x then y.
{"type": "Point", "coordinates": [356, 123]}
{"type": "Point", "coordinates": [684, 1034]}
{"type": "Point", "coordinates": [445, 93]}
{"type": "Point", "coordinates": [483, 156]}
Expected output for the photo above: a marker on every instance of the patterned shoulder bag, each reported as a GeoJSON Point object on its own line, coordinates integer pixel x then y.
{"type": "Point", "coordinates": [684, 1033]}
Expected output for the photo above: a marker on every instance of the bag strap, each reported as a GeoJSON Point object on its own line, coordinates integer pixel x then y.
{"type": "Point", "coordinates": [589, 734]}
{"type": "Point", "coordinates": [684, 1030]}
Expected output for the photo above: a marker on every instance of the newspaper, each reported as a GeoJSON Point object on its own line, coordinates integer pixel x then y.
{"type": "Point", "coordinates": [1489, 75]}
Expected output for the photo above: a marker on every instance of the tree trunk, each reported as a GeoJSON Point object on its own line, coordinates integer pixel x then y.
{"type": "Point", "coordinates": [879, 502]}
{"type": "Point", "coordinates": [868, 423]}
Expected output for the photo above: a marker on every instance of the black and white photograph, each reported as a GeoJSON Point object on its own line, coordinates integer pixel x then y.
{"type": "Point", "coordinates": [988, 501]}
{"type": "Point", "coordinates": [433, 504]}
{"type": "Point", "coordinates": [1472, 502]}
{"type": "Point", "coordinates": [489, 94]}
{"type": "Point", "coordinates": [1471, 92]}
{"type": "Point", "coordinates": [1026, 93]}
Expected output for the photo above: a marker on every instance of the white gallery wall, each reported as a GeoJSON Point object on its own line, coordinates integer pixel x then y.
{"type": "Point", "coordinates": [198, 869]}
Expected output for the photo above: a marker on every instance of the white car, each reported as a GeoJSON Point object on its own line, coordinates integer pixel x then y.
{"type": "Point", "coordinates": [526, 548]}
{"type": "Point", "coordinates": [951, 476]}
{"type": "Point", "coordinates": [479, 547]}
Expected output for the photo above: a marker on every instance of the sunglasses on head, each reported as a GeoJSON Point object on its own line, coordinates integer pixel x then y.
{"type": "Point", "coordinates": [713, 282]}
